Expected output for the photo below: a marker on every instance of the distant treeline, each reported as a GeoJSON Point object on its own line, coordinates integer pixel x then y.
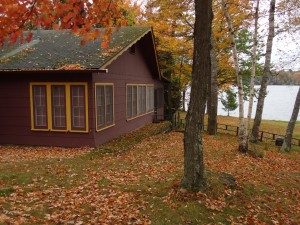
{"type": "Point", "coordinates": [283, 78]}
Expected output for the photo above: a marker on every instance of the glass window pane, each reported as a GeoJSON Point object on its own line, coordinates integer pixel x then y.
{"type": "Point", "coordinates": [100, 105]}
{"type": "Point", "coordinates": [140, 100]}
{"type": "Point", "coordinates": [78, 107]}
{"type": "Point", "coordinates": [109, 104]}
{"type": "Point", "coordinates": [104, 104]}
{"type": "Point", "coordinates": [147, 98]}
{"type": "Point", "coordinates": [129, 101]}
{"type": "Point", "coordinates": [58, 107]}
{"type": "Point", "coordinates": [134, 101]}
{"type": "Point", "coordinates": [39, 106]}
{"type": "Point", "coordinates": [144, 99]}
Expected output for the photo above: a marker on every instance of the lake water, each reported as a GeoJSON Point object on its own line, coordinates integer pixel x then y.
{"type": "Point", "coordinates": [279, 103]}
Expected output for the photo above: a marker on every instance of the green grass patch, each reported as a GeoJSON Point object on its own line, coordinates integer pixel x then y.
{"type": "Point", "coordinates": [6, 191]}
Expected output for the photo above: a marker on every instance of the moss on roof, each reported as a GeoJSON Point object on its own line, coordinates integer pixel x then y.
{"type": "Point", "coordinates": [59, 48]}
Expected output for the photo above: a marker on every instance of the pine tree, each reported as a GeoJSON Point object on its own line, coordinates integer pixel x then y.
{"type": "Point", "coordinates": [229, 101]}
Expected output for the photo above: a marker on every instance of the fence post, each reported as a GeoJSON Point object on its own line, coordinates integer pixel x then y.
{"type": "Point", "coordinates": [174, 121]}
{"type": "Point", "coordinates": [261, 136]}
{"type": "Point", "coordinates": [237, 131]}
{"type": "Point", "coordinates": [273, 136]}
{"type": "Point", "coordinates": [178, 119]}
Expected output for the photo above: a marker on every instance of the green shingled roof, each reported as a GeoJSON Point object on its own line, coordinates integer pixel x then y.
{"type": "Point", "coordinates": [59, 48]}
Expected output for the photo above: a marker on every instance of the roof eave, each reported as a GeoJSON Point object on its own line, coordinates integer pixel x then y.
{"type": "Point", "coordinates": [55, 71]}
{"type": "Point", "coordinates": [156, 57]}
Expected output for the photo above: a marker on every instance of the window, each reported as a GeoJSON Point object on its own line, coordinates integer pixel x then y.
{"type": "Point", "coordinates": [140, 105]}
{"type": "Point", "coordinates": [39, 107]}
{"type": "Point", "coordinates": [140, 100]}
{"type": "Point", "coordinates": [134, 101]}
{"type": "Point", "coordinates": [150, 99]}
{"type": "Point", "coordinates": [59, 106]}
{"type": "Point", "coordinates": [77, 107]}
{"type": "Point", "coordinates": [104, 106]}
{"type": "Point", "coordinates": [143, 100]}
{"type": "Point", "coordinates": [129, 101]}
{"type": "Point", "coordinates": [109, 104]}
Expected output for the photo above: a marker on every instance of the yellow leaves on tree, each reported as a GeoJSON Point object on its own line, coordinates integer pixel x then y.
{"type": "Point", "coordinates": [172, 22]}
{"type": "Point", "coordinates": [240, 12]}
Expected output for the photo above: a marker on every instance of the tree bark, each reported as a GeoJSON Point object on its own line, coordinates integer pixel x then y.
{"type": "Point", "coordinates": [253, 71]}
{"type": "Point", "coordinates": [212, 106]}
{"type": "Point", "coordinates": [287, 143]}
{"type": "Point", "coordinates": [243, 144]}
{"type": "Point", "coordinates": [194, 176]}
{"type": "Point", "coordinates": [266, 75]}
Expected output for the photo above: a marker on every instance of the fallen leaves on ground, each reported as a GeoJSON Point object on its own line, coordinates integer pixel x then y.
{"type": "Point", "coordinates": [22, 153]}
{"type": "Point", "coordinates": [140, 186]}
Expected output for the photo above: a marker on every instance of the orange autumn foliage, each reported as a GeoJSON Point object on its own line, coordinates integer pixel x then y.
{"type": "Point", "coordinates": [80, 16]}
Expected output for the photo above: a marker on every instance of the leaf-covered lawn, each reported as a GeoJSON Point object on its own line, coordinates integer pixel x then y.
{"type": "Point", "coordinates": [137, 183]}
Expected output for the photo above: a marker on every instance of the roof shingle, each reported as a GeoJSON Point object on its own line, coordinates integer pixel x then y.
{"type": "Point", "coordinates": [60, 48]}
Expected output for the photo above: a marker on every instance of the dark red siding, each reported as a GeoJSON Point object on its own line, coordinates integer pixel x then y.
{"type": "Point", "coordinates": [15, 118]}
{"type": "Point", "coordinates": [127, 69]}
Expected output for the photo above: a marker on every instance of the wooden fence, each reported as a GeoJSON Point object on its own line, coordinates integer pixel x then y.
{"type": "Point", "coordinates": [263, 135]}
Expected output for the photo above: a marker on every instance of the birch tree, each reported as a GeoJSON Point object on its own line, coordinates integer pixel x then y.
{"type": "Point", "coordinates": [243, 147]}
{"type": "Point", "coordinates": [253, 69]}
{"type": "Point", "coordinates": [287, 143]}
{"type": "Point", "coordinates": [266, 74]}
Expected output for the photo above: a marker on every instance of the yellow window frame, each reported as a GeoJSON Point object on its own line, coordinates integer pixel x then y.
{"type": "Point", "coordinates": [96, 108]}
{"type": "Point", "coordinates": [68, 106]}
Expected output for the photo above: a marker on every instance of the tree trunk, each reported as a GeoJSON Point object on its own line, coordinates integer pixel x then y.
{"type": "Point", "coordinates": [286, 147]}
{"type": "Point", "coordinates": [253, 71]}
{"type": "Point", "coordinates": [194, 179]}
{"type": "Point", "coordinates": [243, 147]}
{"type": "Point", "coordinates": [212, 107]}
{"type": "Point", "coordinates": [266, 74]}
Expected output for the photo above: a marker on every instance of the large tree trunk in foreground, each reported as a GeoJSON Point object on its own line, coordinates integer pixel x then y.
{"type": "Point", "coordinates": [212, 104]}
{"type": "Point", "coordinates": [266, 75]}
{"type": "Point", "coordinates": [194, 179]}
{"type": "Point", "coordinates": [286, 147]}
{"type": "Point", "coordinates": [253, 71]}
{"type": "Point", "coordinates": [243, 144]}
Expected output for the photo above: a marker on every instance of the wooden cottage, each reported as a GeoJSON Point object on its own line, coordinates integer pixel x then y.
{"type": "Point", "coordinates": [55, 92]}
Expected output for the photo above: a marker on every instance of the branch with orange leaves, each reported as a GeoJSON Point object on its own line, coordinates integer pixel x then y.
{"type": "Point", "coordinates": [81, 16]}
